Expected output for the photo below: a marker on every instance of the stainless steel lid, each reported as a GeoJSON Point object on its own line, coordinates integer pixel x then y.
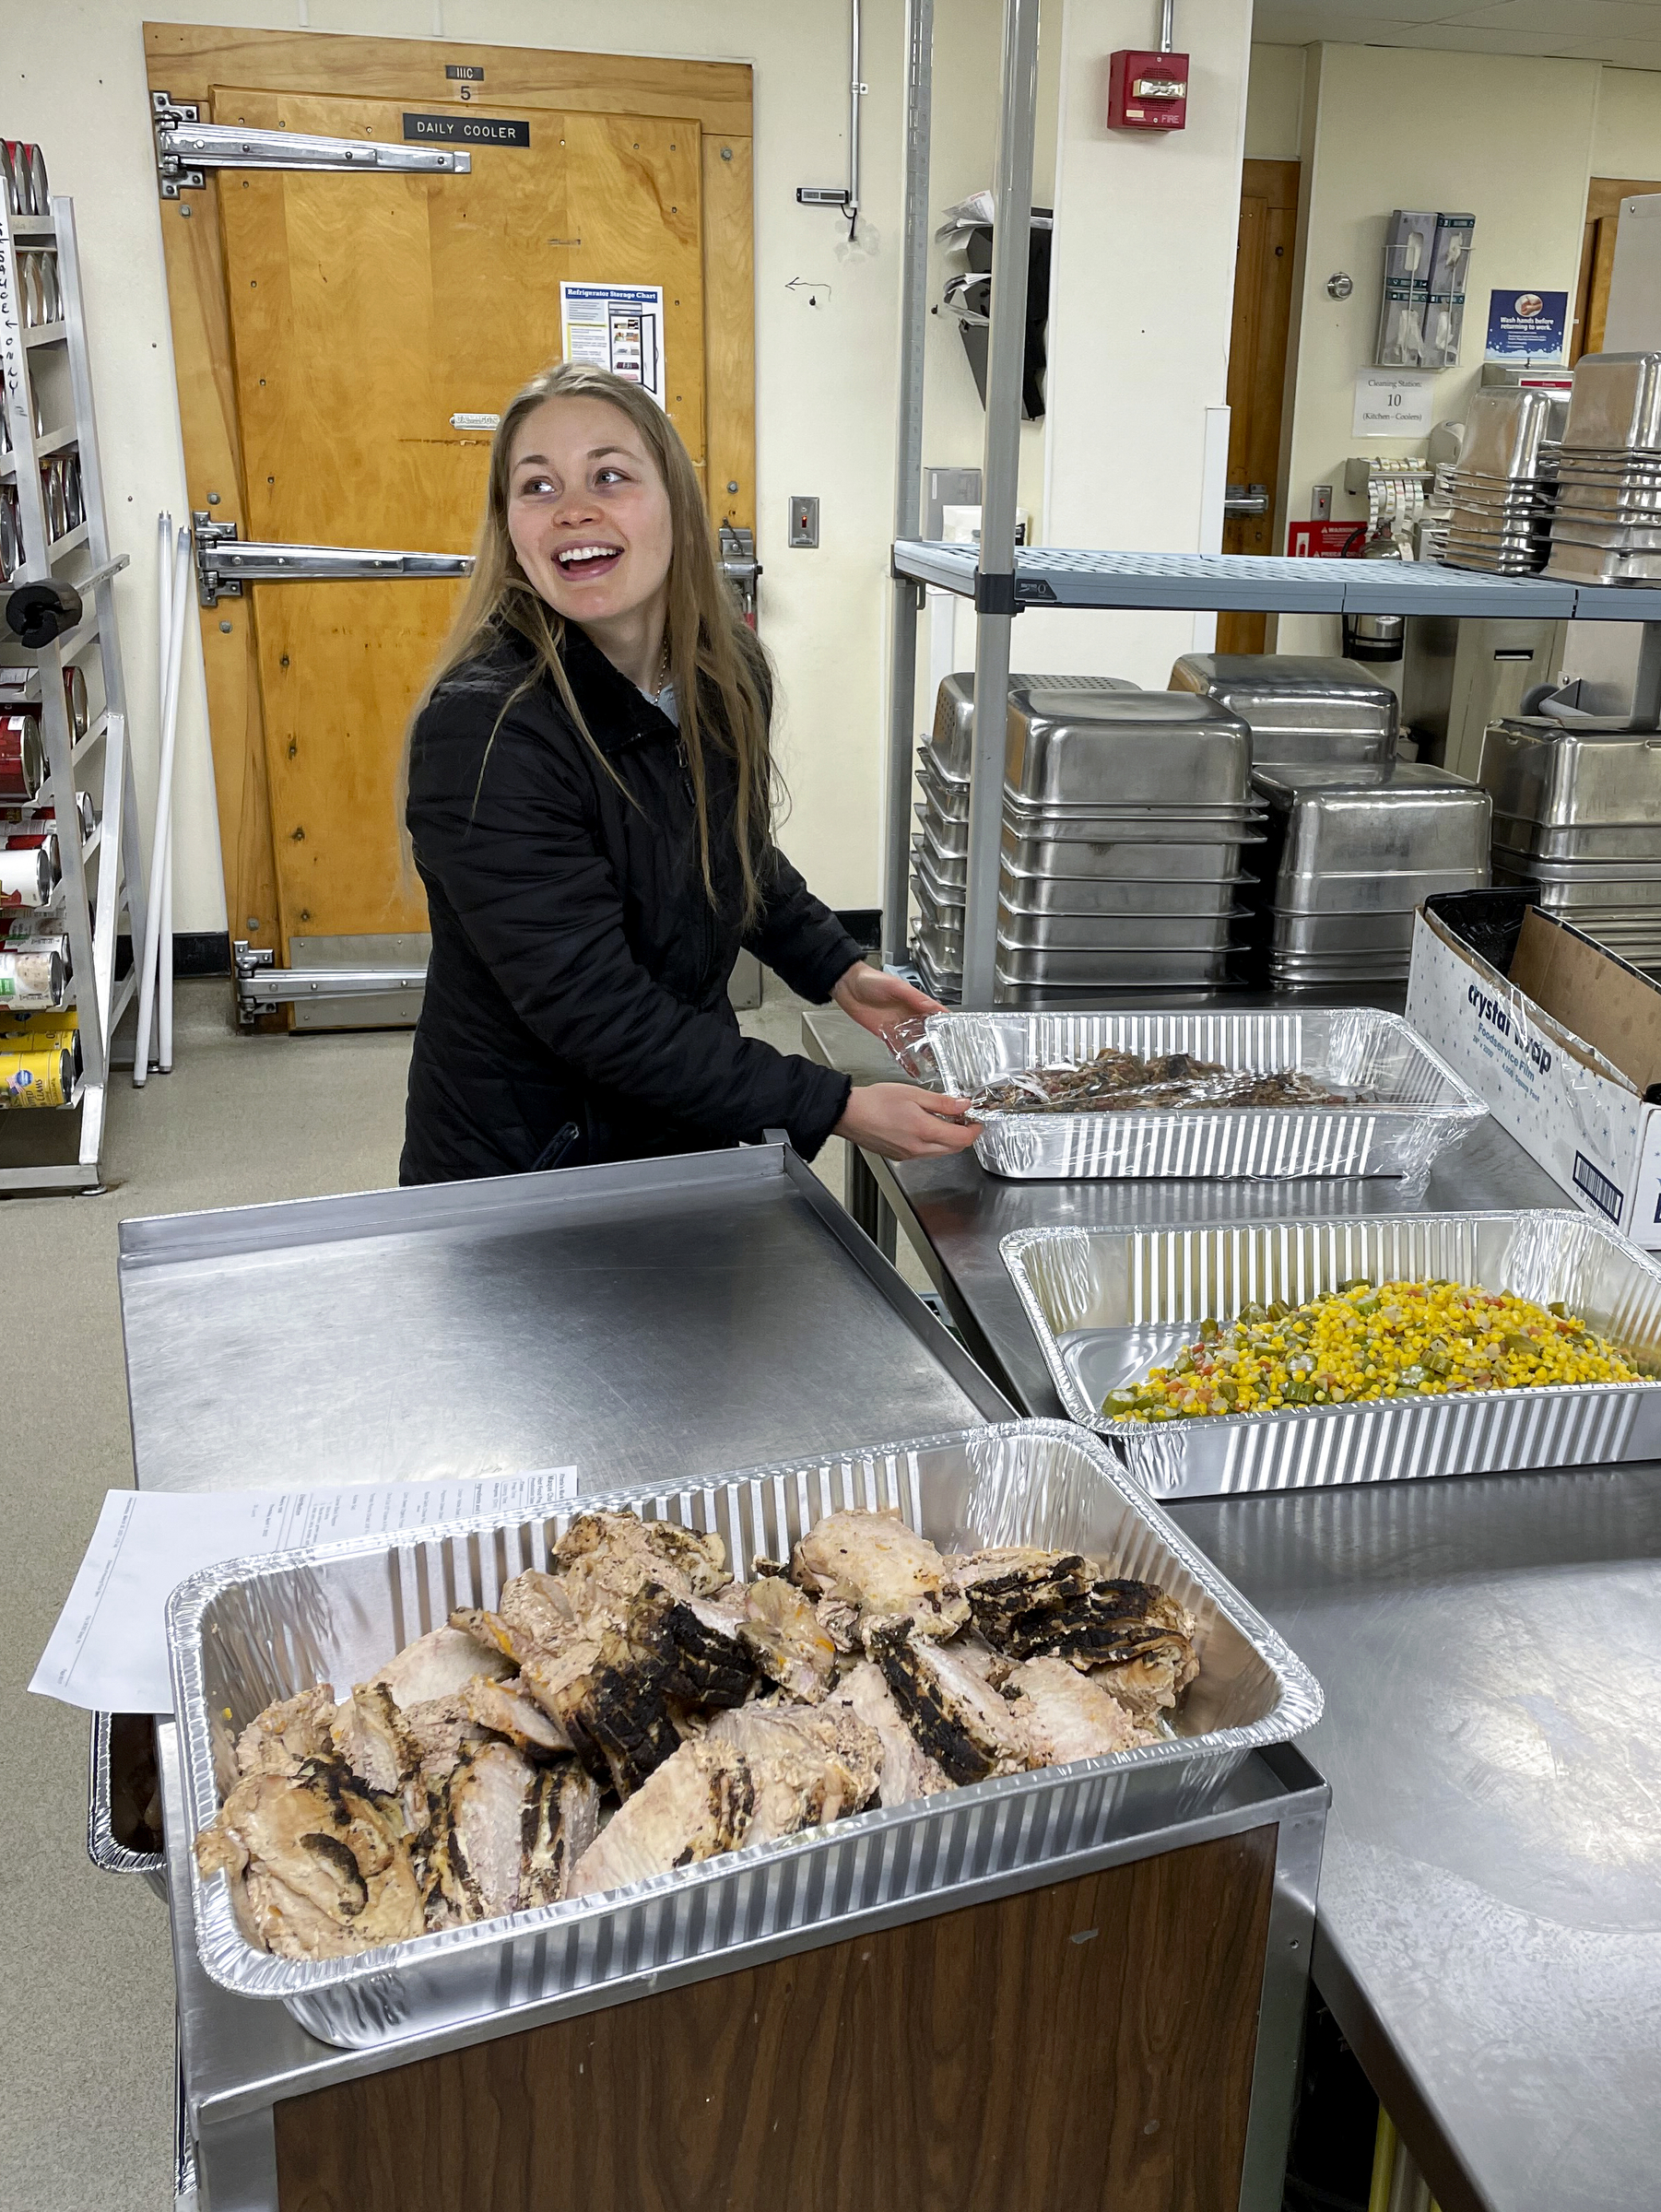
{"type": "Point", "coordinates": [1282, 693]}
{"type": "Point", "coordinates": [1420, 818]}
{"type": "Point", "coordinates": [954, 712]}
{"type": "Point", "coordinates": [1560, 775]}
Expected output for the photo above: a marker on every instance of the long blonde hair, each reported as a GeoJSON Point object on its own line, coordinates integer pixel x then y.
{"type": "Point", "coordinates": [713, 656]}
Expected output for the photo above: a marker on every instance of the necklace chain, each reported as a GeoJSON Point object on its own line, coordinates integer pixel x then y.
{"type": "Point", "coordinates": [662, 665]}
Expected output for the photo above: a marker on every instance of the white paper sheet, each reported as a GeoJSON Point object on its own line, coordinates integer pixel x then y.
{"type": "Point", "coordinates": [107, 1652]}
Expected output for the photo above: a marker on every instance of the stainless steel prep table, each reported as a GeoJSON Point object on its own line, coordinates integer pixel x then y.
{"type": "Point", "coordinates": [674, 1316]}
{"type": "Point", "coordinates": [1489, 1934]}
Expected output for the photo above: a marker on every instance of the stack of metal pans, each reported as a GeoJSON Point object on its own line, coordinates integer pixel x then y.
{"type": "Point", "coordinates": [1124, 816]}
{"type": "Point", "coordinates": [940, 849]}
{"type": "Point", "coordinates": [1304, 711]}
{"type": "Point", "coordinates": [1350, 858]}
{"type": "Point", "coordinates": [1606, 528]}
{"type": "Point", "coordinates": [1504, 483]}
{"type": "Point", "coordinates": [1577, 817]}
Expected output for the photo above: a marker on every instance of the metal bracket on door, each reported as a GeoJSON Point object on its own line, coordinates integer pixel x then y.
{"type": "Point", "coordinates": [741, 566]}
{"type": "Point", "coordinates": [186, 149]}
{"type": "Point", "coordinates": [224, 563]}
{"type": "Point", "coordinates": [1246, 499]}
{"type": "Point", "coordinates": [262, 987]}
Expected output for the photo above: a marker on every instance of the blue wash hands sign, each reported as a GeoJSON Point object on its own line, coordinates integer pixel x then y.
{"type": "Point", "coordinates": [1527, 326]}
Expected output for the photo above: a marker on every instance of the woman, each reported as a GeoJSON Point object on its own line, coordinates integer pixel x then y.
{"type": "Point", "coordinates": [590, 799]}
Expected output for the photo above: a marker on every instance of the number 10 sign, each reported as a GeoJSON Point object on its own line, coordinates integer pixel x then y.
{"type": "Point", "coordinates": [1393, 403]}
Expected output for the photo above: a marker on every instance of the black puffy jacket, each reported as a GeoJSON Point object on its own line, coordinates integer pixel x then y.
{"type": "Point", "coordinates": [576, 1007]}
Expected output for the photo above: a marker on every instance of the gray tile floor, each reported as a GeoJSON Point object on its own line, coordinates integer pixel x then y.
{"type": "Point", "coordinates": [88, 2121]}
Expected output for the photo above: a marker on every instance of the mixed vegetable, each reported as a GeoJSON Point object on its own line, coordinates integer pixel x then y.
{"type": "Point", "coordinates": [1372, 1340]}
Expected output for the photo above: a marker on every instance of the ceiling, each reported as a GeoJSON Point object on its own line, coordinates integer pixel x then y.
{"type": "Point", "coordinates": [1626, 32]}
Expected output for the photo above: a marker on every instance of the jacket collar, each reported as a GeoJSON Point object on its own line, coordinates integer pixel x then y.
{"type": "Point", "coordinates": [617, 713]}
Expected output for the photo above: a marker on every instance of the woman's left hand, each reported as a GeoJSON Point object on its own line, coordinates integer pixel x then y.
{"type": "Point", "coordinates": [879, 1001]}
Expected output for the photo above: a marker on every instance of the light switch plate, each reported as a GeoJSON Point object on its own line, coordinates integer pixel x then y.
{"type": "Point", "coordinates": [804, 522]}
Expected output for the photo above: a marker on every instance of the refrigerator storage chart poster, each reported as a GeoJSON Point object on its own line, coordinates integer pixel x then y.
{"type": "Point", "coordinates": [618, 326]}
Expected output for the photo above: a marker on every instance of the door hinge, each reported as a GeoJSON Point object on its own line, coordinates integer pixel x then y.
{"type": "Point", "coordinates": [186, 149]}
{"type": "Point", "coordinates": [224, 564]}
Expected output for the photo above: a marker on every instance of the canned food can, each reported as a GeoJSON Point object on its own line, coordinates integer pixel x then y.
{"type": "Point", "coordinates": [11, 536]}
{"type": "Point", "coordinates": [32, 1032]}
{"type": "Point", "coordinates": [74, 698]}
{"type": "Point", "coordinates": [52, 495]}
{"type": "Point", "coordinates": [25, 878]}
{"type": "Point", "coordinates": [22, 762]}
{"type": "Point", "coordinates": [45, 818]}
{"type": "Point", "coordinates": [34, 933]}
{"type": "Point", "coordinates": [41, 1076]}
{"type": "Point", "coordinates": [34, 839]}
{"type": "Point", "coordinates": [76, 496]}
{"type": "Point", "coordinates": [31, 977]}
{"type": "Point", "coordinates": [12, 157]}
{"type": "Point", "coordinates": [28, 276]}
{"type": "Point", "coordinates": [39, 190]}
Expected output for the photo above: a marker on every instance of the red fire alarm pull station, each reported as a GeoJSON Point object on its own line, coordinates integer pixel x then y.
{"type": "Point", "coordinates": [1148, 91]}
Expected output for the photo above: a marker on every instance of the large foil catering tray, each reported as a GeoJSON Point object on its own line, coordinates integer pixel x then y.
{"type": "Point", "coordinates": [255, 1630]}
{"type": "Point", "coordinates": [1106, 1305]}
{"type": "Point", "coordinates": [1422, 1104]}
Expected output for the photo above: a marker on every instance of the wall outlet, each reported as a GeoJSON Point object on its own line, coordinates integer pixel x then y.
{"type": "Point", "coordinates": [804, 522]}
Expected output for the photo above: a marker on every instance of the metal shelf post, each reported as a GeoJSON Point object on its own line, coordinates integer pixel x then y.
{"type": "Point", "coordinates": [907, 475]}
{"type": "Point", "coordinates": [995, 584]}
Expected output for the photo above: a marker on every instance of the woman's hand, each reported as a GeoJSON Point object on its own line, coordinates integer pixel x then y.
{"type": "Point", "coordinates": [879, 1001]}
{"type": "Point", "coordinates": [898, 1121]}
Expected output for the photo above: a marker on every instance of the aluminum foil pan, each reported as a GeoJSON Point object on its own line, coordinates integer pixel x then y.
{"type": "Point", "coordinates": [255, 1630]}
{"type": "Point", "coordinates": [1425, 1106]}
{"type": "Point", "coordinates": [103, 1847]}
{"type": "Point", "coordinates": [1106, 1305]}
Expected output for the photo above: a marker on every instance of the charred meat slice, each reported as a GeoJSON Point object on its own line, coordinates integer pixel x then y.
{"type": "Point", "coordinates": [1016, 1598]}
{"type": "Point", "coordinates": [611, 1708]}
{"type": "Point", "coordinates": [1069, 1715]}
{"type": "Point", "coordinates": [1152, 1679]}
{"type": "Point", "coordinates": [536, 1607]}
{"type": "Point", "coordinates": [809, 1764]}
{"type": "Point", "coordinates": [698, 1803]}
{"type": "Point", "coordinates": [479, 1858]}
{"type": "Point", "coordinates": [692, 1647]}
{"type": "Point", "coordinates": [874, 1562]}
{"type": "Point", "coordinates": [375, 1742]}
{"type": "Point", "coordinates": [561, 1820]}
{"type": "Point", "coordinates": [504, 1709]}
{"type": "Point", "coordinates": [440, 1729]}
{"type": "Point", "coordinates": [606, 1559]}
{"type": "Point", "coordinates": [959, 1720]}
{"type": "Point", "coordinates": [324, 1866]}
{"type": "Point", "coordinates": [437, 1666]}
{"type": "Point", "coordinates": [908, 1771]}
{"type": "Point", "coordinates": [787, 1640]}
{"type": "Point", "coordinates": [285, 1736]}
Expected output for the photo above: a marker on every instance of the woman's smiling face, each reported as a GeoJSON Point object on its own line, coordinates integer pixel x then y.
{"type": "Point", "coordinates": [587, 510]}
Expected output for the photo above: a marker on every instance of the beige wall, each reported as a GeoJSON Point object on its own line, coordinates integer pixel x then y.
{"type": "Point", "coordinates": [1275, 103]}
{"type": "Point", "coordinates": [826, 375]}
{"type": "Point", "coordinates": [1382, 131]}
{"type": "Point", "coordinates": [1626, 133]}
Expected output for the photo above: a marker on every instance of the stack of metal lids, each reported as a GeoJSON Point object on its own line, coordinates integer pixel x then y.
{"type": "Point", "coordinates": [1505, 480]}
{"type": "Point", "coordinates": [1304, 711]}
{"type": "Point", "coordinates": [1606, 528]}
{"type": "Point", "coordinates": [1124, 816]}
{"type": "Point", "coordinates": [1577, 815]}
{"type": "Point", "coordinates": [1348, 860]}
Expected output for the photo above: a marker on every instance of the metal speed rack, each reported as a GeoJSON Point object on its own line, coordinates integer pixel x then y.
{"type": "Point", "coordinates": [1002, 582]}
{"type": "Point", "coordinates": [48, 381]}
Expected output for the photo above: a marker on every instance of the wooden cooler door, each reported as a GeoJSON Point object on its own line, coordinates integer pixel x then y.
{"type": "Point", "coordinates": [367, 312]}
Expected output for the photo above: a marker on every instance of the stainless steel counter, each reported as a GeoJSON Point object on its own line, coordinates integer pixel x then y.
{"type": "Point", "coordinates": [1489, 1924]}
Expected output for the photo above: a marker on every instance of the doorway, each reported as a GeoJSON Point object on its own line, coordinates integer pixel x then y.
{"type": "Point", "coordinates": [344, 338]}
{"type": "Point", "coordinates": [1598, 259]}
{"type": "Point", "coordinates": [1257, 339]}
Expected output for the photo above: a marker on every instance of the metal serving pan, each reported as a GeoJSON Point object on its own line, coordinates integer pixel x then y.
{"type": "Point", "coordinates": [1340, 933]}
{"type": "Point", "coordinates": [1106, 748]}
{"type": "Point", "coordinates": [1186, 852]}
{"type": "Point", "coordinates": [1505, 429]}
{"type": "Point", "coordinates": [1301, 707]}
{"type": "Point", "coordinates": [1376, 891]}
{"type": "Point", "coordinates": [1104, 818]}
{"type": "Point", "coordinates": [1422, 820]}
{"type": "Point", "coordinates": [952, 744]}
{"type": "Point", "coordinates": [1085, 970]}
{"type": "Point", "coordinates": [1615, 404]}
{"type": "Point", "coordinates": [1081, 895]}
{"type": "Point", "coordinates": [1116, 933]}
{"type": "Point", "coordinates": [1586, 564]}
{"type": "Point", "coordinates": [1108, 1304]}
{"type": "Point", "coordinates": [1423, 1107]}
{"type": "Point", "coordinates": [254, 1630]}
{"type": "Point", "coordinates": [1585, 842]}
{"type": "Point", "coordinates": [1597, 882]}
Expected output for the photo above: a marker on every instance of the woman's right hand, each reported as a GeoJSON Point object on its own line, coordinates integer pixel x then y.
{"type": "Point", "coordinates": [899, 1122]}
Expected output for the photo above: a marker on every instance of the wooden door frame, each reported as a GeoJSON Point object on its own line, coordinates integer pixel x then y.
{"type": "Point", "coordinates": [186, 61]}
{"type": "Point", "coordinates": [1604, 195]}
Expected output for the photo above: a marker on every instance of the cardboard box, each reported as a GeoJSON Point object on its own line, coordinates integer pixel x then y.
{"type": "Point", "coordinates": [1562, 1037]}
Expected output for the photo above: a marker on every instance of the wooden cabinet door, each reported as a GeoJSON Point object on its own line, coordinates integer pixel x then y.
{"type": "Point", "coordinates": [366, 312]}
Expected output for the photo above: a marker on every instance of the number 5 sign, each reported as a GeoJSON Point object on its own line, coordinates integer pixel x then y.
{"type": "Point", "coordinates": [1393, 403]}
